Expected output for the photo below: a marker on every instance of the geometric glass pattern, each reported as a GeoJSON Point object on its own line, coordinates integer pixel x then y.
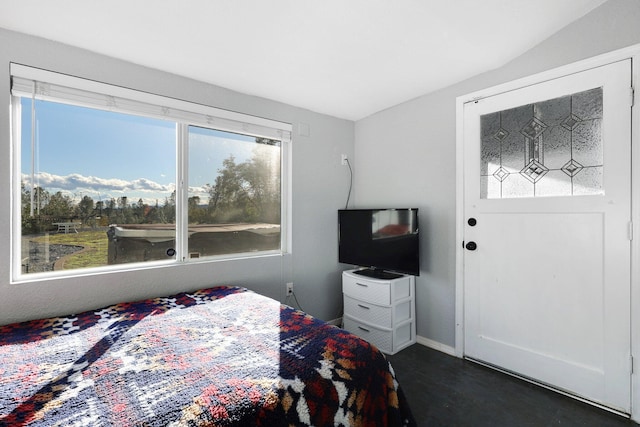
{"type": "Point", "coordinates": [548, 148]}
{"type": "Point", "coordinates": [534, 171]}
{"type": "Point", "coordinates": [501, 174]}
{"type": "Point", "coordinates": [533, 129]}
{"type": "Point", "coordinates": [571, 168]}
{"type": "Point", "coordinates": [501, 134]}
{"type": "Point", "coordinates": [571, 122]}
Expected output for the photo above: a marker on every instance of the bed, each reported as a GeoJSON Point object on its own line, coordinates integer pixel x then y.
{"type": "Point", "coordinates": [222, 356]}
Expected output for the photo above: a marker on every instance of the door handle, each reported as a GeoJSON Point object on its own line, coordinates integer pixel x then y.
{"type": "Point", "coordinates": [471, 246]}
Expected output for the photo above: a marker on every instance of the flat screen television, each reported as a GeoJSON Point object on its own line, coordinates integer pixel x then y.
{"type": "Point", "coordinates": [385, 241]}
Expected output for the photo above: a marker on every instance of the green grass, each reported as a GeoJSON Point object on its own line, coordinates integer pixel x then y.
{"type": "Point", "coordinates": [94, 242]}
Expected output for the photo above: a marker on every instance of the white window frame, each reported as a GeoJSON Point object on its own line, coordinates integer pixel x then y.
{"type": "Point", "coordinates": [47, 85]}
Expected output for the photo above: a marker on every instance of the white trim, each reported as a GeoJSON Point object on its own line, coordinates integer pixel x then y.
{"type": "Point", "coordinates": [632, 52]}
{"type": "Point", "coordinates": [182, 192]}
{"type": "Point", "coordinates": [634, 298]}
{"type": "Point", "coordinates": [15, 151]}
{"type": "Point", "coordinates": [459, 291]}
{"type": "Point", "coordinates": [435, 345]}
{"type": "Point", "coordinates": [286, 197]}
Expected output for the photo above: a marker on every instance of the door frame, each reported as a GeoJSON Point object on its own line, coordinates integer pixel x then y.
{"type": "Point", "coordinates": [633, 53]}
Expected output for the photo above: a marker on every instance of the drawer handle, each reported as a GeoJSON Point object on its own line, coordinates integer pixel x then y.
{"type": "Point", "coordinates": [362, 284]}
{"type": "Point", "coordinates": [364, 329]}
{"type": "Point", "coordinates": [364, 306]}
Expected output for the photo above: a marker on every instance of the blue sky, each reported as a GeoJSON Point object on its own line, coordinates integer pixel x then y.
{"type": "Point", "coordinates": [102, 154]}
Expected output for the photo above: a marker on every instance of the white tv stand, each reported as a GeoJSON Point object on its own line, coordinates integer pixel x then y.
{"type": "Point", "coordinates": [381, 311]}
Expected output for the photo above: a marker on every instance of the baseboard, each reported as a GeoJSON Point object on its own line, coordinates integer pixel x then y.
{"type": "Point", "coordinates": [436, 345]}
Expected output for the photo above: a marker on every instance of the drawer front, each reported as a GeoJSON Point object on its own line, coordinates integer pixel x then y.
{"type": "Point", "coordinates": [370, 313]}
{"type": "Point", "coordinates": [366, 290]}
{"type": "Point", "coordinates": [381, 339]}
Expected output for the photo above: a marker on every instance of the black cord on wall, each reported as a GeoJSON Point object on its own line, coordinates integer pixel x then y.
{"type": "Point", "coordinates": [346, 206]}
{"type": "Point", "coordinates": [287, 301]}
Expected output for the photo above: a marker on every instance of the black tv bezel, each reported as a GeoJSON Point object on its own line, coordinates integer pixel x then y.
{"type": "Point", "coordinates": [380, 271]}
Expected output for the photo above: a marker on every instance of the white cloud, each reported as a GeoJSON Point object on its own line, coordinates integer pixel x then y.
{"type": "Point", "coordinates": [76, 184]}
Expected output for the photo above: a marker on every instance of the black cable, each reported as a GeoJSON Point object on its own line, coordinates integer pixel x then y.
{"type": "Point", "coordinates": [350, 183]}
{"type": "Point", "coordinates": [292, 294]}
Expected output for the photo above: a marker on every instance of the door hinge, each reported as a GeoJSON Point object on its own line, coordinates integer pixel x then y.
{"type": "Point", "coordinates": [631, 361]}
{"type": "Point", "coordinates": [630, 230]}
{"type": "Point", "coordinates": [632, 93]}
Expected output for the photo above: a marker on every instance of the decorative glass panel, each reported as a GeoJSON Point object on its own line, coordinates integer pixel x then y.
{"type": "Point", "coordinates": [550, 148]}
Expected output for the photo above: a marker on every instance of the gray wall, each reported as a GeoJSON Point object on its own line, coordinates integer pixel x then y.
{"type": "Point", "coordinates": [406, 155]}
{"type": "Point", "coordinates": [319, 182]}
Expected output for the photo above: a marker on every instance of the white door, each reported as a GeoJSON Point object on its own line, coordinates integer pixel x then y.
{"type": "Point", "coordinates": [547, 205]}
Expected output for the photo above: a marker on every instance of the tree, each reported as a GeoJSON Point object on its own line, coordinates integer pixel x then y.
{"type": "Point", "coordinates": [261, 178]}
{"type": "Point", "coordinates": [28, 222]}
{"type": "Point", "coordinates": [249, 191]}
{"type": "Point", "coordinates": [85, 209]}
{"type": "Point", "coordinates": [124, 212]}
{"type": "Point", "coordinates": [41, 199]}
{"type": "Point", "coordinates": [197, 215]}
{"type": "Point", "coordinates": [167, 214]}
{"type": "Point", "coordinates": [139, 211]}
{"type": "Point", "coordinates": [99, 207]}
{"type": "Point", "coordinates": [227, 196]}
{"type": "Point", "coordinates": [111, 207]}
{"type": "Point", "coordinates": [60, 206]}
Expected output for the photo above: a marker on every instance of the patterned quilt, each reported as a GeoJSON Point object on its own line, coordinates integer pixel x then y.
{"type": "Point", "coordinates": [223, 356]}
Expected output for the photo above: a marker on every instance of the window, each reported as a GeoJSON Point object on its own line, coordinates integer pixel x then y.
{"type": "Point", "coordinates": [109, 176]}
{"type": "Point", "coordinates": [234, 206]}
{"type": "Point", "coordinates": [549, 148]}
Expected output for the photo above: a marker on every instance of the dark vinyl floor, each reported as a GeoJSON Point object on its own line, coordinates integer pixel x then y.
{"type": "Point", "coordinates": [446, 391]}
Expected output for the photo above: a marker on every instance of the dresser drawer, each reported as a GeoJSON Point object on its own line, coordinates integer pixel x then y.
{"type": "Point", "coordinates": [381, 339]}
{"type": "Point", "coordinates": [377, 291]}
{"type": "Point", "coordinates": [367, 290]}
{"type": "Point", "coordinates": [388, 341]}
{"type": "Point", "coordinates": [370, 313]}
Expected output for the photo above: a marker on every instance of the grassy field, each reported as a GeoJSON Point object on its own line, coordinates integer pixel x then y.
{"type": "Point", "coordinates": [94, 243]}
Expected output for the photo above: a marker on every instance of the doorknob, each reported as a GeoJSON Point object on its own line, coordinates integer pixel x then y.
{"type": "Point", "coordinates": [471, 246]}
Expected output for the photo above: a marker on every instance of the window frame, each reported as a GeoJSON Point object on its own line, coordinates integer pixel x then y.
{"type": "Point", "coordinates": [63, 88]}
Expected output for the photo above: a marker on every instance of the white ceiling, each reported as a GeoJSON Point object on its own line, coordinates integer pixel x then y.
{"type": "Point", "coordinates": [346, 58]}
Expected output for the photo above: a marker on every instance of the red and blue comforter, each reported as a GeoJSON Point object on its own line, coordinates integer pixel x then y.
{"type": "Point", "coordinates": [216, 357]}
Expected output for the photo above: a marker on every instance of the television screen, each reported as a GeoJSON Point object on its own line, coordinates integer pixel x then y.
{"type": "Point", "coordinates": [379, 239]}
